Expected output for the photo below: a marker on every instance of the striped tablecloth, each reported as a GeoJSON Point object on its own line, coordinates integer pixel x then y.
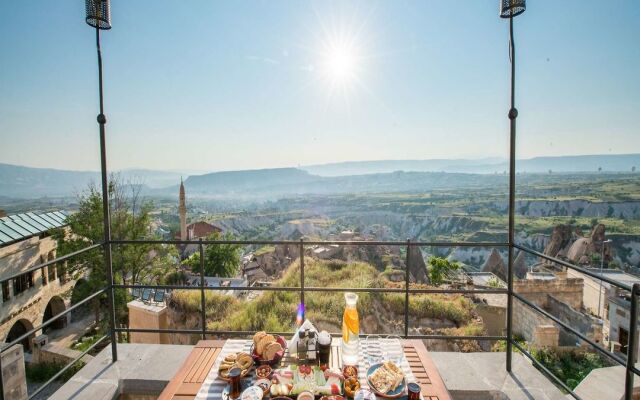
{"type": "Point", "coordinates": [371, 352]}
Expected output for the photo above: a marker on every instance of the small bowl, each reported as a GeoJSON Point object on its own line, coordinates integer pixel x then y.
{"type": "Point", "coordinates": [264, 384]}
{"type": "Point", "coordinates": [306, 395]}
{"type": "Point", "coordinates": [260, 361]}
{"type": "Point", "coordinates": [349, 370]}
{"type": "Point", "coordinates": [364, 394]}
{"type": "Point", "coordinates": [333, 397]}
{"type": "Point", "coordinates": [350, 392]}
{"type": "Point", "coordinates": [263, 371]}
{"type": "Point", "coordinates": [252, 393]}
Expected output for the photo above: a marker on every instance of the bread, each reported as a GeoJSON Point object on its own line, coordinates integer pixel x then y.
{"type": "Point", "coordinates": [388, 377]}
{"type": "Point", "coordinates": [262, 344]}
{"type": "Point", "coordinates": [258, 336]}
{"type": "Point", "coordinates": [244, 361]}
{"type": "Point", "coordinates": [271, 350]}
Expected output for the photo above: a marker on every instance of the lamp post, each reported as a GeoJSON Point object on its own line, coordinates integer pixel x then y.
{"type": "Point", "coordinates": [98, 16]}
{"type": "Point", "coordinates": [510, 9]}
{"type": "Point", "coordinates": [601, 268]}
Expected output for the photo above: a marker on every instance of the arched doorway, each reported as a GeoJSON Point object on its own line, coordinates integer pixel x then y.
{"type": "Point", "coordinates": [54, 307]}
{"type": "Point", "coordinates": [81, 290]}
{"type": "Point", "coordinates": [18, 329]}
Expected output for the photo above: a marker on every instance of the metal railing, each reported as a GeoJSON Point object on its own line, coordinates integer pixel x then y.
{"type": "Point", "coordinates": [302, 289]}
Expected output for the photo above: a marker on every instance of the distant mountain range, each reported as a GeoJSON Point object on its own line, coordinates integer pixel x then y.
{"type": "Point", "coordinates": [345, 177]}
{"type": "Point", "coordinates": [27, 182]}
{"type": "Point", "coordinates": [586, 163]}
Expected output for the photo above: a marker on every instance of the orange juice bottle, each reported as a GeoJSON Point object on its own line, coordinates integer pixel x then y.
{"type": "Point", "coordinates": [350, 330]}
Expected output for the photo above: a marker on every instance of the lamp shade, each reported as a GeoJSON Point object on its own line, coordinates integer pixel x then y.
{"type": "Point", "coordinates": [511, 8]}
{"type": "Point", "coordinates": [98, 13]}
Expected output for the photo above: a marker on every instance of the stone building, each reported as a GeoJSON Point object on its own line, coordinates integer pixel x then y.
{"type": "Point", "coordinates": [560, 297]}
{"type": "Point", "coordinates": [596, 292]}
{"type": "Point", "coordinates": [618, 322]}
{"type": "Point", "coordinates": [609, 303]}
{"type": "Point", "coordinates": [29, 298]}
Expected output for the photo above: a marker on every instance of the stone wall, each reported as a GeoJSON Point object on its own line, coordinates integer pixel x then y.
{"type": "Point", "coordinates": [148, 316]}
{"type": "Point", "coordinates": [568, 291]}
{"type": "Point", "coordinates": [540, 330]}
{"type": "Point", "coordinates": [494, 318]}
{"type": "Point", "coordinates": [531, 325]}
{"type": "Point", "coordinates": [52, 353]}
{"type": "Point", "coordinates": [30, 305]}
{"type": "Point", "coordinates": [583, 323]}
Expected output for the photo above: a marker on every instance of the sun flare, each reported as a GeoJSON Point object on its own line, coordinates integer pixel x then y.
{"type": "Point", "coordinates": [340, 63]}
{"type": "Point", "coordinates": [341, 57]}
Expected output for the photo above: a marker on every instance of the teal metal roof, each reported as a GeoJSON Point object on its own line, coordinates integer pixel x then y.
{"type": "Point", "coordinates": [14, 228]}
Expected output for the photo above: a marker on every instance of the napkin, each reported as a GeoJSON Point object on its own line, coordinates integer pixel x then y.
{"type": "Point", "coordinates": [293, 343]}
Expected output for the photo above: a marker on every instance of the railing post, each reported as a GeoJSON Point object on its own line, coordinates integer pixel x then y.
{"type": "Point", "coordinates": [513, 114]}
{"type": "Point", "coordinates": [203, 318]}
{"type": "Point", "coordinates": [633, 342]}
{"type": "Point", "coordinates": [302, 276]}
{"type": "Point", "coordinates": [1, 380]}
{"type": "Point", "coordinates": [102, 120]}
{"type": "Point", "coordinates": [406, 289]}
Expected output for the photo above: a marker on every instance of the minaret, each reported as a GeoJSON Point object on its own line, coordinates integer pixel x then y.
{"type": "Point", "coordinates": [182, 209]}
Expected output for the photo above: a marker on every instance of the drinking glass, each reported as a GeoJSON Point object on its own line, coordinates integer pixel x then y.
{"type": "Point", "coordinates": [392, 349]}
{"type": "Point", "coordinates": [373, 353]}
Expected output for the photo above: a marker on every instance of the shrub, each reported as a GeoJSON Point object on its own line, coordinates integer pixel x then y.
{"type": "Point", "coordinates": [175, 278]}
{"type": "Point", "coordinates": [570, 366]}
{"type": "Point", "coordinates": [42, 372]}
{"type": "Point", "coordinates": [438, 268]}
{"type": "Point", "coordinates": [446, 307]}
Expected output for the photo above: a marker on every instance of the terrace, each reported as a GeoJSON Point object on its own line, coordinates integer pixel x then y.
{"type": "Point", "coordinates": [146, 368]}
{"type": "Point", "coordinates": [126, 370]}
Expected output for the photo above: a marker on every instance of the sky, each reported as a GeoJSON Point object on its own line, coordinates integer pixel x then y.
{"type": "Point", "coordinates": [213, 85]}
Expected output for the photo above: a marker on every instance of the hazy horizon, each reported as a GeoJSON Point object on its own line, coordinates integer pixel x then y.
{"type": "Point", "coordinates": [219, 87]}
{"type": "Point", "coordinates": [187, 171]}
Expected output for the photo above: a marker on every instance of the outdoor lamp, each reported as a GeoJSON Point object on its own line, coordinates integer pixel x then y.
{"type": "Point", "coordinates": [98, 13]}
{"type": "Point", "coordinates": [512, 8]}
{"type": "Point", "coordinates": [99, 17]}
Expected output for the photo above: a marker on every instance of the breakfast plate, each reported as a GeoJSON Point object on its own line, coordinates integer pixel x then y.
{"type": "Point", "coordinates": [386, 380]}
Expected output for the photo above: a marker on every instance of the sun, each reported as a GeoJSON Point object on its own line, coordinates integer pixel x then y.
{"type": "Point", "coordinates": [340, 63]}
{"type": "Point", "coordinates": [340, 56]}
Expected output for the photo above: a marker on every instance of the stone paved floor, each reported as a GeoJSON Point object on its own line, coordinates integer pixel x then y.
{"type": "Point", "coordinates": [606, 383]}
{"type": "Point", "coordinates": [141, 368]}
{"type": "Point", "coordinates": [481, 376]}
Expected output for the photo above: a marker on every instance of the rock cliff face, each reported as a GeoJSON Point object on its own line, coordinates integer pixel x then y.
{"type": "Point", "coordinates": [496, 264]}
{"type": "Point", "coordinates": [558, 244]}
{"type": "Point", "coordinates": [583, 249]}
{"type": "Point", "coordinates": [577, 207]}
{"type": "Point", "coordinates": [455, 224]}
{"type": "Point", "coordinates": [273, 263]}
{"type": "Point", "coordinates": [417, 266]}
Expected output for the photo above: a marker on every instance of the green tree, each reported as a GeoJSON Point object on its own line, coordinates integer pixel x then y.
{"type": "Point", "coordinates": [438, 268]}
{"type": "Point", "coordinates": [131, 219]}
{"type": "Point", "coordinates": [220, 260]}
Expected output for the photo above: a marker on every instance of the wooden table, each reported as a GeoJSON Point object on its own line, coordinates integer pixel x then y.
{"type": "Point", "coordinates": [186, 383]}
